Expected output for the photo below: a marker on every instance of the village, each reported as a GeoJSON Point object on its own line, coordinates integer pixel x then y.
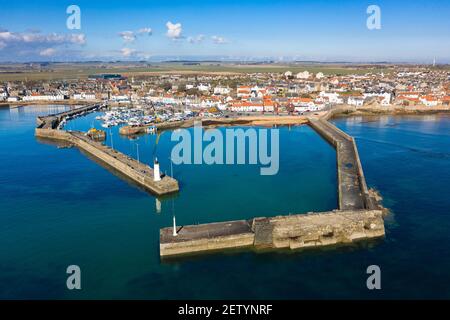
{"type": "Point", "coordinates": [240, 94]}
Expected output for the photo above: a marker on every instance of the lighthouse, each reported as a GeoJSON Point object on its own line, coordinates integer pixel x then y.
{"type": "Point", "coordinates": [158, 205]}
{"type": "Point", "coordinates": [174, 230]}
{"type": "Point", "coordinates": [156, 173]}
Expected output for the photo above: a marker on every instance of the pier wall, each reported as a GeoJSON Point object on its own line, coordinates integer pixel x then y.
{"type": "Point", "coordinates": [359, 216]}
{"type": "Point", "coordinates": [322, 229]}
{"type": "Point", "coordinates": [352, 187]}
{"type": "Point", "coordinates": [136, 171]}
{"type": "Point", "coordinates": [52, 134]}
{"type": "Point", "coordinates": [52, 121]}
{"type": "Point", "coordinates": [234, 241]}
{"type": "Point", "coordinates": [292, 232]}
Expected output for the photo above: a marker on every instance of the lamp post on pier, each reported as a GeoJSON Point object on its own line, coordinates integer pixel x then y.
{"type": "Point", "coordinates": [111, 135]}
{"type": "Point", "coordinates": [171, 167]}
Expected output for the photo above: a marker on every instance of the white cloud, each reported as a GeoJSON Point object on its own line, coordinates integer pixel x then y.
{"type": "Point", "coordinates": [8, 36]}
{"type": "Point", "coordinates": [2, 45]}
{"type": "Point", "coordinates": [197, 39]}
{"type": "Point", "coordinates": [78, 38]}
{"type": "Point", "coordinates": [127, 52]}
{"type": "Point", "coordinates": [47, 52]}
{"type": "Point", "coordinates": [35, 39]}
{"type": "Point", "coordinates": [173, 30]}
{"type": "Point", "coordinates": [130, 36]}
{"type": "Point", "coordinates": [127, 36]}
{"type": "Point", "coordinates": [218, 40]}
{"type": "Point", "coordinates": [144, 31]}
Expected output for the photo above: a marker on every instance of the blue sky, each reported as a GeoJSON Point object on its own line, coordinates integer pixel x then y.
{"type": "Point", "coordinates": [411, 31]}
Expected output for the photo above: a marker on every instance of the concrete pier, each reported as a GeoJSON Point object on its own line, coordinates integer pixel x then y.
{"type": "Point", "coordinates": [353, 191]}
{"type": "Point", "coordinates": [52, 121]}
{"type": "Point", "coordinates": [292, 232]}
{"type": "Point", "coordinates": [138, 172]}
{"type": "Point", "coordinates": [206, 237]}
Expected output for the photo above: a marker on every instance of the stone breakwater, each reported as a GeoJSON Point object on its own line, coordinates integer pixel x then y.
{"type": "Point", "coordinates": [52, 121]}
{"type": "Point", "coordinates": [360, 216]}
{"type": "Point", "coordinates": [291, 232]}
{"type": "Point", "coordinates": [353, 191]}
{"type": "Point", "coordinates": [138, 172]}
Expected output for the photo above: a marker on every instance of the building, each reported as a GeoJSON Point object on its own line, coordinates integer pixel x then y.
{"type": "Point", "coordinates": [221, 90]}
{"type": "Point", "coordinates": [330, 97]}
{"type": "Point", "coordinates": [204, 87]}
{"type": "Point", "coordinates": [357, 101]}
{"type": "Point", "coordinates": [384, 98]}
{"type": "Point", "coordinates": [303, 75]}
{"type": "Point", "coordinates": [320, 75]}
{"type": "Point", "coordinates": [429, 101]}
{"type": "Point", "coordinates": [84, 96]}
{"type": "Point", "coordinates": [44, 97]}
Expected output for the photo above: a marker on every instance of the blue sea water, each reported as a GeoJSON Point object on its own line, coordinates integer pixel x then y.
{"type": "Point", "coordinates": [58, 208]}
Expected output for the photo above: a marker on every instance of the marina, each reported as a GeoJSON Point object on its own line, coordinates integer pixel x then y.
{"type": "Point", "coordinates": [149, 178]}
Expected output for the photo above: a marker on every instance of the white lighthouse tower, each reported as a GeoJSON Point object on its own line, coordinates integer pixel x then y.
{"type": "Point", "coordinates": [174, 231]}
{"type": "Point", "coordinates": [158, 205]}
{"type": "Point", "coordinates": [156, 172]}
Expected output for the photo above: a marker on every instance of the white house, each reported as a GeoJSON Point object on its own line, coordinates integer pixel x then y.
{"type": "Point", "coordinates": [246, 107]}
{"type": "Point", "coordinates": [320, 75]}
{"type": "Point", "coordinates": [13, 99]}
{"type": "Point", "coordinates": [355, 101]}
{"type": "Point", "coordinates": [303, 75]}
{"type": "Point", "coordinates": [204, 87]}
{"type": "Point", "coordinates": [83, 96]}
{"type": "Point", "coordinates": [385, 97]}
{"type": "Point", "coordinates": [221, 90]}
{"type": "Point", "coordinates": [55, 97]}
{"type": "Point", "coordinates": [308, 108]}
{"type": "Point", "coordinates": [332, 97]}
{"type": "Point", "coordinates": [429, 101]}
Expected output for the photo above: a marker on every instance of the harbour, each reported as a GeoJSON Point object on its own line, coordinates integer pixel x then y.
{"type": "Point", "coordinates": [204, 154]}
{"type": "Point", "coordinates": [324, 228]}
{"type": "Point", "coordinates": [88, 215]}
{"type": "Point", "coordinates": [359, 216]}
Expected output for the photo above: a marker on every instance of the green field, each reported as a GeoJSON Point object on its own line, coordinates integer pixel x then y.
{"type": "Point", "coordinates": [80, 71]}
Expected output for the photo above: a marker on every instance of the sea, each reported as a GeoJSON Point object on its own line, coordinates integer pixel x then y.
{"type": "Point", "coordinates": [59, 208]}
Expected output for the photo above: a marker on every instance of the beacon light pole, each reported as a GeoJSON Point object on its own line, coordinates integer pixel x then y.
{"type": "Point", "coordinates": [171, 167]}
{"type": "Point", "coordinates": [111, 135]}
{"type": "Point", "coordinates": [174, 227]}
